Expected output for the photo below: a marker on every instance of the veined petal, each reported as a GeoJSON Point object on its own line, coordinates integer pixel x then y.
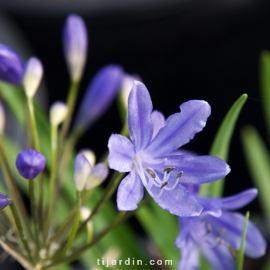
{"type": "Point", "coordinates": [239, 200]}
{"type": "Point", "coordinates": [180, 128]}
{"type": "Point", "coordinates": [130, 192]}
{"type": "Point", "coordinates": [121, 153]}
{"type": "Point", "coordinates": [211, 206]}
{"type": "Point", "coordinates": [178, 201]}
{"type": "Point", "coordinates": [190, 259]}
{"type": "Point", "coordinates": [158, 121]}
{"type": "Point", "coordinates": [219, 257]}
{"type": "Point", "coordinates": [233, 223]}
{"type": "Point", "coordinates": [198, 169]}
{"type": "Point", "coordinates": [139, 116]}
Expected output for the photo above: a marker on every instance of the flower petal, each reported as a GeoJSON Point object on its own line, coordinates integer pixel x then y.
{"type": "Point", "coordinates": [183, 232]}
{"type": "Point", "coordinates": [180, 128]}
{"type": "Point", "coordinates": [130, 192]}
{"type": "Point", "coordinates": [239, 200]}
{"type": "Point", "coordinates": [198, 169]}
{"type": "Point", "coordinates": [158, 121]}
{"type": "Point", "coordinates": [190, 259]}
{"type": "Point", "coordinates": [233, 223]}
{"type": "Point", "coordinates": [139, 116]}
{"type": "Point", "coordinates": [121, 153]}
{"type": "Point", "coordinates": [178, 201]}
{"type": "Point", "coordinates": [219, 257]}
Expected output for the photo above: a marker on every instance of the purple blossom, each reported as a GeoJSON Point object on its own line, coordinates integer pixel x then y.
{"type": "Point", "coordinates": [99, 95]}
{"type": "Point", "coordinates": [11, 66]}
{"type": "Point", "coordinates": [151, 158]}
{"type": "Point", "coordinates": [82, 170]}
{"type": "Point", "coordinates": [215, 231]}
{"type": "Point", "coordinates": [75, 42]}
{"type": "Point", "coordinates": [4, 201]}
{"type": "Point", "coordinates": [30, 163]}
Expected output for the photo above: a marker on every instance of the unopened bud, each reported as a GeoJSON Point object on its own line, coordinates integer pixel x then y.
{"type": "Point", "coordinates": [4, 201]}
{"type": "Point", "coordinates": [90, 155]}
{"type": "Point", "coordinates": [82, 170]}
{"type": "Point", "coordinates": [32, 76]}
{"type": "Point", "coordinates": [97, 176]}
{"type": "Point", "coordinates": [58, 113]}
{"type": "Point", "coordinates": [85, 213]}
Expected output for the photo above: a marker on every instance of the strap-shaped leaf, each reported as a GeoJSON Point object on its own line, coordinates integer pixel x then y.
{"type": "Point", "coordinates": [221, 145]}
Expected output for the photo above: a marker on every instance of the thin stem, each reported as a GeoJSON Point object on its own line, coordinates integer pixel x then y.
{"type": "Point", "coordinates": [71, 100]}
{"type": "Point", "coordinates": [3, 227]}
{"type": "Point", "coordinates": [96, 239]}
{"type": "Point", "coordinates": [33, 209]}
{"type": "Point", "coordinates": [52, 178]}
{"type": "Point", "coordinates": [110, 189]}
{"type": "Point", "coordinates": [13, 189]}
{"type": "Point", "coordinates": [74, 229]}
{"type": "Point", "coordinates": [20, 229]}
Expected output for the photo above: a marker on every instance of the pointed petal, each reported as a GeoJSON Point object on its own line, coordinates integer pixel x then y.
{"type": "Point", "coordinates": [180, 128]}
{"type": "Point", "coordinates": [198, 169]}
{"type": "Point", "coordinates": [255, 244]}
{"type": "Point", "coordinates": [211, 206]}
{"type": "Point", "coordinates": [190, 259]}
{"type": "Point", "coordinates": [239, 200]}
{"type": "Point", "coordinates": [219, 257]}
{"type": "Point", "coordinates": [139, 116]}
{"type": "Point", "coordinates": [130, 192]}
{"type": "Point", "coordinates": [178, 201]}
{"type": "Point", "coordinates": [158, 120]}
{"type": "Point", "coordinates": [121, 153]}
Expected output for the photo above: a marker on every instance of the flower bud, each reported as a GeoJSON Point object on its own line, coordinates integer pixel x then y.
{"type": "Point", "coordinates": [90, 155]}
{"type": "Point", "coordinates": [58, 113]}
{"type": "Point", "coordinates": [30, 163]}
{"type": "Point", "coordinates": [11, 66]}
{"type": "Point", "coordinates": [32, 76]}
{"type": "Point", "coordinates": [82, 170]}
{"type": "Point", "coordinates": [99, 95]}
{"type": "Point", "coordinates": [98, 175]}
{"type": "Point", "coordinates": [4, 201]}
{"type": "Point", "coordinates": [85, 213]}
{"type": "Point", "coordinates": [75, 42]}
{"type": "Point", "coordinates": [2, 118]}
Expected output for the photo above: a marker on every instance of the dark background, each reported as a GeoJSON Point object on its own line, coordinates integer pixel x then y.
{"type": "Point", "coordinates": [182, 50]}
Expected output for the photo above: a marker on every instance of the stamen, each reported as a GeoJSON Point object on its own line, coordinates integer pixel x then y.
{"type": "Point", "coordinates": [164, 184]}
{"type": "Point", "coordinates": [209, 229]}
{"type": "Point", "coordinates": [169, 169]}
{"type": "Point", "coordinates": [151, 173]}
{"type": "Point", "coordinates": [175, 184]}
{"type": "Point", "coordinates": [179, 175]}
{"type": "Point", "coordinates": [221, 231]}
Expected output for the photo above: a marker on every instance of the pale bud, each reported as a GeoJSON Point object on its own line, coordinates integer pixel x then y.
{"type": "Point", "coordinates": [112, 254]}
{"type": "Point", "coordinates": [2, 119]}
{"type": "Point", "coordinates": [85, 213]}
{"type": "Point", "coordinates": [58, 113]}
{"type": "Point", "coordinates": [82, 170]}
{"type": "Point", "coordinates": [98, 175]}
{"type": "Point", "coordinates": [32, 76]}
{"type": "Point", "coordinates": [90, 155]}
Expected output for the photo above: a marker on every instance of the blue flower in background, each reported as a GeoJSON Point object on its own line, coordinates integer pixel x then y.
{"type": "Point", "coordinates": [4, 201]}
{"type": "Point", "coordinates": [11, 66]}
{"type": "Point", "coordinates": [151, 158]}
{"type": "Point", "coordinates": [215, 231]}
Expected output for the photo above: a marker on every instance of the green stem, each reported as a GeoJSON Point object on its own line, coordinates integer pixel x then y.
{"type": "Point", "coordinates": [20, 229]}
{"type": "Point", "coordinates": [33, 209]}
{"type": "Point", "coordinates": [96, 239]}
{"type": "Point", "coordinates": [74, 229]}
{"type": "Point", "coordinates": [71, 100]}
{"type": "Point", "coordinates": [52, 178]}
{"type": "Point", "coordinates": [3, 227]}
{"type": "Point", "coordinates": [13, 189]}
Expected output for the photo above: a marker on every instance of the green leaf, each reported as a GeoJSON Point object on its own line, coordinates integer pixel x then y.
{"type": "Point", "coordinates": [258, 160]}
{"type": "Point", "coordinates": [204, 264]}
{"type": "Point", "coordinates": [221, 145]}
{"type": "Point", "coordinates": [264, 76]}
{"type": "Point", "coordinates": [240, 255]}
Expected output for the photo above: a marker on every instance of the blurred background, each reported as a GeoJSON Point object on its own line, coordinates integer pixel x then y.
{"type": "Point", "coordinates": [182, 49]}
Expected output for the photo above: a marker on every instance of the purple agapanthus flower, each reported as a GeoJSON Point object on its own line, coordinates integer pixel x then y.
{"type": "Point", "coordinates": [151, 158]}
{"type": "Point", "coordinates": [30, 163]}
{"type": "Point", "coordinates": [217, 230]}
{"type": "Point", "coordinates": [11, 66]}
{"type": "Point", "coordinates": [4, 200]}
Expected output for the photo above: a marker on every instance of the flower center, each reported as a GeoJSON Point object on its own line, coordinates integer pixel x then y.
{"type": "Point", "coordinates": [151, 179]}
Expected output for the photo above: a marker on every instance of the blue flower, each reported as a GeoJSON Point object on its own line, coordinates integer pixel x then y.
{"type": "Point", "coordinates": [99, 95]}
{"type": "Point", "coordinates": [30, 163]}
{"type": "Point", "coordinates": [217, 230]}
{"type": "Point", "coordinates": [11, 66]}
{"type": "Point", "coordinates": [151, 158]}
{"type": "Point", "coordinates": [4, 201]}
